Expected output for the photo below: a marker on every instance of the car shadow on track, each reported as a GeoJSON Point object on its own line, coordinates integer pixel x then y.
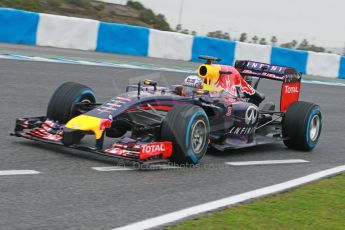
{"type": "Point", "coordinates": [71, 153]}
{"type": "Point", "coordinates": [212, 156]}
{"type": "Point", "coordinates": [248, 150]}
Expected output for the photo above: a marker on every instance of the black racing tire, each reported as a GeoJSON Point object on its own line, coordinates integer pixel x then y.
{"type": "Point", "coordinates": [60, 104]}
{"type": "Point", "coordinates": [181, 124]}
{"type": "Point", "coordinates": [302, 125]}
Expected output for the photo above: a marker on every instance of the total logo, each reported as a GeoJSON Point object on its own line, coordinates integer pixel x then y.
{"type": "Point", "coordinates": [293, 89]}
{"type": "Point", "coordinates": [149, 149]}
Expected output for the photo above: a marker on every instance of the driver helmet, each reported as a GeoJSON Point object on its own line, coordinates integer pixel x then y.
{"type": "Point", "coordinates": [191, 83]}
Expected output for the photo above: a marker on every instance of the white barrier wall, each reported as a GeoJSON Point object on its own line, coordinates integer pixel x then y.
{"type": "Point", "coordinates": [67, 32]}
{"type": "Point", "coordinates": [323, 64]}
{"type": "Point", "coordinates": [247, 51]}
{"type": "Point", "coordinates": [170, 45]}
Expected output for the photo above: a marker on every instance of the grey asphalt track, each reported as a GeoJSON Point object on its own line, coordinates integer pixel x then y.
{"type": "Point", "coordinates": [68, 194]}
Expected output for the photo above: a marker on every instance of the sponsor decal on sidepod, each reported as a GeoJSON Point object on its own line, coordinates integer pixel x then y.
{"type": "Point", "coordinates": [292, 89]}
{"type": "Point", "coordinates": [241, 130]}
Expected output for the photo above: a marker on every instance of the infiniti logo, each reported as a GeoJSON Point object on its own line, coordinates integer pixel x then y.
{"type": "Point", "coordinates": [251, 115]}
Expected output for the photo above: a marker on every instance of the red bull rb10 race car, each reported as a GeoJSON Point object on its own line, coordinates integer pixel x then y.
{"type": "Point", "coordinates": [219, 108]}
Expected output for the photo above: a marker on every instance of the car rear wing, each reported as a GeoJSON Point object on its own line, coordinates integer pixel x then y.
{"type": "Point", "coordinates": [263, 70]}
{"type": "Point", "coordinates": [290, 77]}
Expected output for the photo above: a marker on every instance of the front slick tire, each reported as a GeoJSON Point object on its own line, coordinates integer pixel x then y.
{"type": "Point", "coordinates": [302, 126]}
{"type": "Point", "coordinates": [187, 127]}
{"type": "Point", "coordinates": [60, 107]}
{"type": "Point", "coordinates": [60, 104]}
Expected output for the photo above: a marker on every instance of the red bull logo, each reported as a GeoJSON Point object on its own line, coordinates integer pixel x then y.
{"type": "Point", "coordinates": [229, 82]}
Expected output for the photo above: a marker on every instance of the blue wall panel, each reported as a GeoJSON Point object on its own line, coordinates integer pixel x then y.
{"type": "Point", "coordinates": [214, 47]}
{"type": "Point", "coordinates": [342, 68]}
{"type": "Point", "coordinates": [291, 58]}
{"type": "Point", "coordinates": [18, 26]}
{"type": "Point", "coordinates": [123, 39]}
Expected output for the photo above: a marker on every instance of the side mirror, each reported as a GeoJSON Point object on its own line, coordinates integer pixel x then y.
{"type": "Point", "coordinates": [200, 92]}
{"type": "Point", "coordinates": [151, 83]}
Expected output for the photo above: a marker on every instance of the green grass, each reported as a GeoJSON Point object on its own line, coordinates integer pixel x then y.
{"type": "Point", "coordinates": [320, 205]}
{"type": "Point", "coordinates": [134, 13]}
{"type": "Point", "coordinates": [31, 5]}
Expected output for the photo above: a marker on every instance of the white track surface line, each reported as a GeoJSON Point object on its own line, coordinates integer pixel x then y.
{"type": "Point", "coordinates": [165, 167]}
{"type": "Point", "coordinates": [114, 168]}
{"type": "Point", "coordinates": [123, 168]}
{"type": "Point", "coordinates": [18, 172]}
{"type": "Point", "coordinates": [268, 162]}
{"type": "Point", "coordinates": [129, 66]}
{"type": "Point", "coordinates": [95, 63]}
{"type": "Point", "coordinates": [202, 208]}
{"type": "Point", "coordinates": [323, 83]}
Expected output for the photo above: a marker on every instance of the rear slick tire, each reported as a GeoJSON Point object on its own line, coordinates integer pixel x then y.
{"type": "Point", "coordinates": [302, 126]}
